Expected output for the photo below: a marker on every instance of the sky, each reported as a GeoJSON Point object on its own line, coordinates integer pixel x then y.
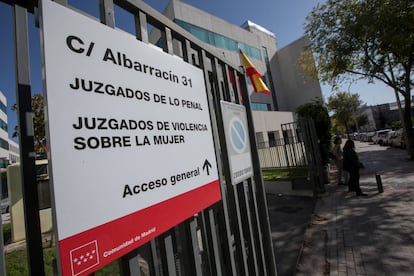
{"type": "Point", "coordinates": [285, 18]}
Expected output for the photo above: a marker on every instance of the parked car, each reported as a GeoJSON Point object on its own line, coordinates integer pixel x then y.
{"type": "Point", "coordinates": [366, 136]}
{"type": "Point", "coordinates": [5, 205]}
{"type": "Point", "coordinates": [397, 139]}
{"type": "Point", "coordinates": [389, 136]}
{"type": "Point", "coordinates": [379, 136]}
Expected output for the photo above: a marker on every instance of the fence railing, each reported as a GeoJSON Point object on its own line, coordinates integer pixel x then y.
{"type": "Point", "coordinates": [278, 154]}
{"type": "Point", "coordinates": [298, 148]}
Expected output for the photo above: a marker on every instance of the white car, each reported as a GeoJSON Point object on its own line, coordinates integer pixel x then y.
{"type": "Point", "coordinates": [379, 136]}
{"type": "Point", "coordinates": [388, 138]}
{"type": "Point", "coordinates": [396, 140]}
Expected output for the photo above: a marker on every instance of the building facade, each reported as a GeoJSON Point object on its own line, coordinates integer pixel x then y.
{"type": "Point", "coordinates": [9, 150]}
{"type": "Point", "coordinates": [279, 68]}
{"type": "Point", "coordinates": [382, 116]}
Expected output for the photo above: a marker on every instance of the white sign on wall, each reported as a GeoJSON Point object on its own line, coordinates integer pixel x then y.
{"type": "Point", "coordinates": [237, 141]}
{"type": "Point", "coordinates": [131, 145]}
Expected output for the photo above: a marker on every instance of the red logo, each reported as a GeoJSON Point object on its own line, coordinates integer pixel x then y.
{"type": "Point", "coordinates": [84, 257]}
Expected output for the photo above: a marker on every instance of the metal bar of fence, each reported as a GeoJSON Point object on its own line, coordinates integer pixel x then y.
{"type": "Point", "coordinates": [106, 11]}
{"type": "Point", "coordinates": [155, 260]}
{"type": "Point", "coordinates": [232, 214]}
{"type": "Point", "coordinates": [27, 154]}
{"type": "Point", "coordinates": [226, 243]}
{"type": "Point", "coordinates": [187, 251]}
{"type": "Point", "coordinates": [197, 245]}
{"type": "Point", "coordinates": [224, 226]}
{"type": "Point", "coordinates": [260, 192]}
{"type": "Point", "coordinates": [251, 252]}
{"type": "Point", "coordinates": [239, 237]}
{"type": "Point", "coordinates": [227, 198]}
{"type": "Point", "coordinates": [237, 189]}
{"type": "Point", "coordinates": [141, 32]}
{"type": "Point", "coordinates": [203, 257]}
{"type": "Point", "coordinates": [130, 264]}
{"type": "Point", "coordinates": [278, 156]}
{"type": "Point", "coordinates": [211, 231]}
{"type": "Point", "coordinates": [193, 223]}
{"type": "Point", "coordinates": [256, 228]}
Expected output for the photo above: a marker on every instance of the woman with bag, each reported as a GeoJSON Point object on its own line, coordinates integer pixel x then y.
{"type": "Point", "coordinates": [352, 165]}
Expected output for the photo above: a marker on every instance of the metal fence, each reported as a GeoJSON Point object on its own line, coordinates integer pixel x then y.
{"type": "Point", "coordinates": [231, 237]}
{"type": "Point", "coordinates": [299, 147]}
{"type": "Point", "coordinates": [295, 149]}
{"type": "Point", "coordinates": [279, 154]}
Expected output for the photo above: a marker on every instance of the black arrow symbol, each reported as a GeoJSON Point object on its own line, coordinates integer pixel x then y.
{"type": "Point", "coordinates": [207, 166]}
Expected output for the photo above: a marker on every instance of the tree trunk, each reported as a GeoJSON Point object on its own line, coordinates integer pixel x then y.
{"type": "Point", "coordinates": [408, 125]}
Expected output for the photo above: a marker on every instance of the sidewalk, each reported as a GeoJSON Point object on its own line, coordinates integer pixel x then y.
{"type": "Point", "coordinates": [374, 235]}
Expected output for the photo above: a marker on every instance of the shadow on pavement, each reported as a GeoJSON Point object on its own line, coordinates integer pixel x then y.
{"type": "Point", "coordinates": [289, 217]}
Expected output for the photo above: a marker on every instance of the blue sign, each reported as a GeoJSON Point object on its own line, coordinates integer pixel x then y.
{"type": "Point", "coordinates": [237, 141]}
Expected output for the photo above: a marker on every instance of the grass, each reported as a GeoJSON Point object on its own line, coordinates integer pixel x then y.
{"type": "Point", "coordinates": [16, 261]}
{"type": "Point", "coordinates": [16, 264]}
{"type": "Point", "coordinates": [279, 174]}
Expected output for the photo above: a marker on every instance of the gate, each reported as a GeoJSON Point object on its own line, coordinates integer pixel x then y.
{"type": "Point", "coordinates": [305, 138]}
{"type": "Point", "coordinates": [298, 148]}
{"type": "Point", "coordinates": [231, 237]}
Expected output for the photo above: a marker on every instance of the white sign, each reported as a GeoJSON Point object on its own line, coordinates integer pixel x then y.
{"type": "Point", "coordinates": [237, 141]}
{"type": "Point", "coordinates": [131, 144]}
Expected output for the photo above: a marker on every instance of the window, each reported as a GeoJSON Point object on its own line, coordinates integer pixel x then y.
{"type": "Point", "coordinates": [4, 163]}
{"type": "Point", "coordinates": [260, 106]}
{"type": "Point", "coordinates": [4, 144]}
{"type": "Point", "coordinates": [3, 107]}
{"type": "Point", "coordinates": [218, 40]}
{"type": "Point", "coordinates": [3, 125]}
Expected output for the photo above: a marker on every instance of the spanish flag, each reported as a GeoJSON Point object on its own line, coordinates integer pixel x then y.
{"type": "Point", "coordinates": [254, 75]}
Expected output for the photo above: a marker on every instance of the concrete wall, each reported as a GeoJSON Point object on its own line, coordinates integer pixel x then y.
{"type": "Point", "coordinates": [270, 121]}
{"type": "Point", "coordinates": [292, 88]}
{"type": "Point", "coordinates": [14, 182]}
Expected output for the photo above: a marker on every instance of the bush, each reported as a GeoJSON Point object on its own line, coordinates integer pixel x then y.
{"type": "Point", "coordinates": [7, 233]}
{"type": "Point", "coordinates": [317, 111]}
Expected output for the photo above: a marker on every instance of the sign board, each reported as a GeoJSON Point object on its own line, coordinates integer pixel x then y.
{"type": "Point", "coordinates": [131, 147]}
{"type": "Point", "coordinates": [237, 141]}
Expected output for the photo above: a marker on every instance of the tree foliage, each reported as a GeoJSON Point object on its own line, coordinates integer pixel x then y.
{"type": "Point", "coordinates": [38, 123]}
{"type": "Point", "coordinates": [370, 39]}
{"type": "Point", "coordinates": [344, 107]}
{"type": "Point", "coordinates": [317, 111]}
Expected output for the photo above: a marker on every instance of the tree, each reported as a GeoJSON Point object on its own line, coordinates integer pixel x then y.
{"type": "Point", "coordinates": [345, 109]}
{"type": "Point", "coordinates": [38, 123]}
{"type": "Point", "coordinates": [369, 39]}
{"type": "Point", "coordinates": [361, 120]}
{"type": "Point", "coordinates": [319, 113]}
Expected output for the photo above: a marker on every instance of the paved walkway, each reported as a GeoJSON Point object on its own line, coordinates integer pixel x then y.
{"type": "Point", "coordinates": [374, 235]}
{"type": "Point", "coordinates": [289, 217]}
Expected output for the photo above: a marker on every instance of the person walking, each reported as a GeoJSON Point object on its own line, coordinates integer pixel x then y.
{"type": "Point", "coordinates": [337, 153]}
{"type": "Point", "coordinates": [352, 165]}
